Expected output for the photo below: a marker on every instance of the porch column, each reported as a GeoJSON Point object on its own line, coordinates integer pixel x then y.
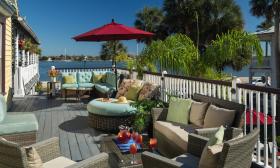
{"type": "Point", "coordinates": [23, 58]}
{"type": "Point", "coordinates": [27, 58]}
{"type": "Point", "coordinates": [16, 52]}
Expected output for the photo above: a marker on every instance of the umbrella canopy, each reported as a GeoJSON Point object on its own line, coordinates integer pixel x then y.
{"type": "Point", "coordinates": [261, 116]}
{"type": "Point", "coordinates": [113, 31]}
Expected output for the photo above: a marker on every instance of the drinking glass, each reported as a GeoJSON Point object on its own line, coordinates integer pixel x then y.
{"type": "Point", "coordinates": [133, 151]}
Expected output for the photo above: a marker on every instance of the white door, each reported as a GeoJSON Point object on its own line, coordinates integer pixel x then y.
{"type": "Point", "coordinates": [1, 57]}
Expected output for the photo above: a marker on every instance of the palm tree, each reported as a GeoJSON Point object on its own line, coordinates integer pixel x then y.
{"type": "Point", "coordinates": [270, 10]}
{"type": "Point", "coordinates": [214, 18]}
{"type": "Point", "coordinates": [151, 19]}
{"type": "Point", "coordinates": [110, 49]}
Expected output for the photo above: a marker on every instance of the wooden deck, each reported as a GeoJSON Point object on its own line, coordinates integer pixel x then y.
{"type": "Point", "coordinates": [66, 120]}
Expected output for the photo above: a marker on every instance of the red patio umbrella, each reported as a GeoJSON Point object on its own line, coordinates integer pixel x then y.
{"type": "Point", "coordinates": [111, 32]}
{"type": "Point", "coordinates": [261, 116]}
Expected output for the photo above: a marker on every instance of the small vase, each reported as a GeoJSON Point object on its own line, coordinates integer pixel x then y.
{"type": "Point", "coordinates": [53, 79]}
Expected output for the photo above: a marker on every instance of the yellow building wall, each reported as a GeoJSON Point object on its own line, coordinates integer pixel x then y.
{"type": "Point", "coordinates": [8, 61]}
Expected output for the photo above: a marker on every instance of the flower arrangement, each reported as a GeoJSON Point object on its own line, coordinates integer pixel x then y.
{"type": "Point", "coordinates": [21, 43]}
{"type": "Point", "coordinates": [53, 73]}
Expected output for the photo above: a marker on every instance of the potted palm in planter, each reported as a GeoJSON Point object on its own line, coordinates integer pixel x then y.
{"type": "Point", "coordinates": [143, 118]}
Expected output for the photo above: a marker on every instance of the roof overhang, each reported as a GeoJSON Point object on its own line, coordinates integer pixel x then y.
{"type": "Point", "coordinates": [27, 28]}
{"type": "Point", "coordinates": [6, 9]}
{"type": "Point", "coordinates": [265, 34]}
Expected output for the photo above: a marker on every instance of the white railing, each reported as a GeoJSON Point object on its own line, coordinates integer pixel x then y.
{"type": "Point", "coordinates": [65, 70]}
{"type": "Point", "coordinates": [29, 72]}
{"type": "Point", "coordinates": [255, 98]}
{"type": "Point", "coordinates": [23, 75]}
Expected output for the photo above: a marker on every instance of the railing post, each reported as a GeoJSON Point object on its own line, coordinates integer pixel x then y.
{"type": "Point", "coordinates": [163, 89]}
{"type": "Point", "coordinates": [273, 115]}
{"type": "Point", "coordinates": [234, 88]}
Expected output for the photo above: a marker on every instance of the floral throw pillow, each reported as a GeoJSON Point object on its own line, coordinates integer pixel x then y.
{"type": "Point", "coordinates": [124, 86]}
{"type": "Point", "coordinates": [148, 91]}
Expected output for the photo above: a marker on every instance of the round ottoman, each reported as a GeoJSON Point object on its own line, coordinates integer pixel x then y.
{"type": "Point", "coordinates": [108, 116]}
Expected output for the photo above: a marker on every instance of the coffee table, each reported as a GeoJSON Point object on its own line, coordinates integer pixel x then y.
{"type": "Point", "coordinates": [119, 159]}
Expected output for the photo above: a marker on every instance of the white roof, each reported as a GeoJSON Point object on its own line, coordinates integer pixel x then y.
{"type": "Point", "coordinates": [267, 31]}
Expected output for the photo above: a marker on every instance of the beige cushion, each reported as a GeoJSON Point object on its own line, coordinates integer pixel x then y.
{"type": "Point", "coordinates": [59, 162]}
{"type": "Point", "coordinates": [197, 113]}
{"type": "Point", "coordinates": [33, 158]}
{"type": "Point", "coordinates": [188, 160]}
{"type": "Point", "coordinates": [210, 158]}
{"type": "Point", "coordinates": [216, 117]}
{"type": "Point", "coordinates": [173, 132]}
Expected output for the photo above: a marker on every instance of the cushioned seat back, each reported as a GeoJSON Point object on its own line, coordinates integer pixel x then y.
{"type": "Point", "coordinates": [111, 79]}
{"type": "Point", "coordinates": [3, 108]}
{"type": "Point", "coordinates": [84, 77]}
{"type": "Point", "coordinates": [12, 155]}
{"type": "Point", "coordinates": [239, 108]}
{"type": "Point", "coordinates": [69, 73]}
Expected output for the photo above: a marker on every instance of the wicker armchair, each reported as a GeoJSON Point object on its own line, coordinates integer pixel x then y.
{"type": "Point", "coordinates": [12, 155]}
{"type": "Point", "coordinates": [236, 153]}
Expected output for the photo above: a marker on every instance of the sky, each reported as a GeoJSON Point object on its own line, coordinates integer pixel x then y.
{"type": "Point", "coordinates": [56, 21]}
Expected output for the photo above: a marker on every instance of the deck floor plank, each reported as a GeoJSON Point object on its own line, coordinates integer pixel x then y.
{"type": "Point", "coordinates": [66, 120]}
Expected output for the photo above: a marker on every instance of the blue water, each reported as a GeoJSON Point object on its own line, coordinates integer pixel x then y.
{"type": "Point", "coordinates": [45, 66]}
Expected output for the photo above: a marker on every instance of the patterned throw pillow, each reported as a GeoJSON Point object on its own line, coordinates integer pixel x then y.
{"type": "Point", "coordinates": [124, 86]}
{"type": "Point", "coordinates": [148, 91]}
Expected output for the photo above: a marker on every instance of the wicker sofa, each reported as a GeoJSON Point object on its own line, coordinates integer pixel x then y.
{"type": "Point", "coordinates": [12, 155]}
{"type": "Point", "coordinates": [169, 132]}
{"type": "Point", "coordinates": [236, 153]}
{"type": "Point", "coordinates": [17, 126]}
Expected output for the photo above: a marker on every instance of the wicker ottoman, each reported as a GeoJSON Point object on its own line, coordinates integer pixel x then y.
{"type": "Point", "coordinates": [108, 116]}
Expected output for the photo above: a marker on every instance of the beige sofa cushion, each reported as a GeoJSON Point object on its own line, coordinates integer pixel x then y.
{"type": "Point", "coordinates": [215, 117]}
{"type": "Point", "coordinates": [59, 162]}
{"type": "Point", "coordinates": [33, 158]}
{"type": "Point", "coordinates": [175, 132]}
{"type": "Point", "coordinates": [209, 158]}
{"type": "Point", "coordinates": [197, 113]}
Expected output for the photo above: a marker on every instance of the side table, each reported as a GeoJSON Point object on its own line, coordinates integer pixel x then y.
{"type": "Point", "coordinates": [51, 90]}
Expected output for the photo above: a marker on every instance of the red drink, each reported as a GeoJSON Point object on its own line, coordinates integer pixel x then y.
{"type": "Point", "coordinates": [133, 149]}
{"type": "Point", "coordinates": [153, 143]}
{"type": "Point", "coordinates": [139, 139]}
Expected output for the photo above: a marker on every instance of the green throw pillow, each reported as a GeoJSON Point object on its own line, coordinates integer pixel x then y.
{"type": "Point", "coordinates": [133, 92]}
{"type": "Point", "coordinates": [179, 110]}
{"type": "Point", "coordinates": [69, 79]}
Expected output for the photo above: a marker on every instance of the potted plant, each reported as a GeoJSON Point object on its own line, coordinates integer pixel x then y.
{"type": "Point", "coordinates": [27, 45]}
{"type": "Point", "coordinates": [143, 119]}
{"type": "Point", "coordinates": [38, 88]}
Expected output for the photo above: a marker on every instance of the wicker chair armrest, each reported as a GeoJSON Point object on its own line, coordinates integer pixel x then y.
{"type": "Point", "coordinates": [196, 144]}
{"type": "Point", "coordinates": [229, 132]}
{"type": "Point", "coordinates": [206, 132]}
{"type": "Point", "coordinates": [48, 149]}
{"type": "Point", "coordinates": [101, 161]}
{"type": "Point", "coordinates": [153, 160]}
{"type": "Point", "coordinates": [159, 114]}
